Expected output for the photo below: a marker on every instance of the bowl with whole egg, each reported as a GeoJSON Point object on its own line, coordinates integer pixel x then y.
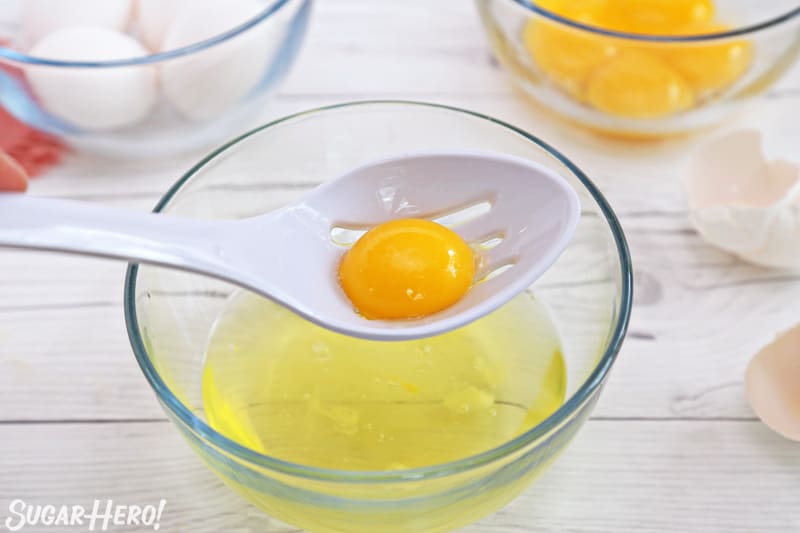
{"type": "Point", "coordinates": [335, 434]}
{"type": "Point", "coordinates": [643, 68]}
{"type": "Point", "coordinates": [145, 78]}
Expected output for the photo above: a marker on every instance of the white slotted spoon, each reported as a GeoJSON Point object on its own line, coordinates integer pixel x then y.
{"type": "Point", "coordinates": [518, 214]}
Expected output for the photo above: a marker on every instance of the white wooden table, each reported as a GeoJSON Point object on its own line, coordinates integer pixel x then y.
{"type": "Point", "coordinates": [672, 445]}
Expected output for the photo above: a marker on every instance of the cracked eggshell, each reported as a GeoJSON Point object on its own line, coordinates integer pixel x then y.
{"type": "Point", "coordinates": [205, 84]}
{"type": "Point", "coordinates": [772, 383]}
{"type": "Point", "coordinates": [743, 203]}
{"type": "Point", "coordinates": [95, 99]}
{"type": "Point", "coordinates": [42, 17]}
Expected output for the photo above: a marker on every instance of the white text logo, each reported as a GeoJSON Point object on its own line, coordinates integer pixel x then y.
{"type": "Point", "coordinates": [103, 515]}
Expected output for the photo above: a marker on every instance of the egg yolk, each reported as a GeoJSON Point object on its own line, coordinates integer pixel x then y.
{"type": "Point", "coordinates": [406, 268]}
{"type": "Point", "coordinates": [566, 55]}
{"type": "Point", "coordinates": [586, 11]}
{"type": "Point", "coordinates": [629, 80]}
{"type": "Point", "coordinates": [639, 85]}
{"type": "Point", "coordinates": [635, 16]}
{"type": "Point", "coordinates": [710, 67]}
{"type": "Point", "coordinates": [659, 17]}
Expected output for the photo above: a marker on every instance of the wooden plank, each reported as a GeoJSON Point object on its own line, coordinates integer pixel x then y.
{"type": "Point", "coordinates": [656, 226]}
{"type": "Point", "coordinates": [639, 476]}
{"type": "Point", "coordinates": [622, 169]}
{"type": "Point", "coordinates": [70, 363]}
{"type": "Point", "coordinates": [374, 48]}
{"type": "Point", "coordinates": [691, 337]}
{"type": "Point", "coordinates": [700, 314]}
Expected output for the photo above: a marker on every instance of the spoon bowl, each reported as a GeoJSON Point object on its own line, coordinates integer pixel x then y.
{"type": "Point", "coordinates": [517, 214]}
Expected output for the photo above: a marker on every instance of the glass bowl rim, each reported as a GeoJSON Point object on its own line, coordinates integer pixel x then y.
{"type": "Point", "coordinates": [531, 5]}
{"type": "Point", "coordinates": [584, 393]}
{"type": "Point", "coordinates": [18, 57]}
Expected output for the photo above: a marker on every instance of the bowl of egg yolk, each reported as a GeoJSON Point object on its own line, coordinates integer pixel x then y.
{"type": "Point", "coordinates": [643, 68]}
{"type": "Point", "coordinates": [335, 434]}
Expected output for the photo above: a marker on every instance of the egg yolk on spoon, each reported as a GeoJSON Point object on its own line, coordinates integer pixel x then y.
{"type": "Point", "coordinates": [407, 268]}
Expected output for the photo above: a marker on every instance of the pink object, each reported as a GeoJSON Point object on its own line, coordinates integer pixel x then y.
{"type": "Point", "coordinates": [34, 150]}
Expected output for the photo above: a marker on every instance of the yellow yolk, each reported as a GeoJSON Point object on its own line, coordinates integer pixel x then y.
{"type": "Point", "coordinates": [636, 16]}
{"type": "Point", "coordinates": [406, 268]}
{"type": "Point", "coordinates": [566, 55]}
{"type": "Point", "coordinates": [635, 81]}
{"type": "Point", "coordinates": [710, 67]}
{"type": "Point", "coordinates": [659, 17]}
{"type": "Point", "coordinates": [639, 85]}
{"type": "Point", "coordinates": [586, 11]}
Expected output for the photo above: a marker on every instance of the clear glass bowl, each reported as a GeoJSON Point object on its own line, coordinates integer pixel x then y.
{"type": "Point", "coordinates": [639, 85]}
{"type": "Point", "coordinates": [201, 94]}
{"type": "Point", "coordinates": [170, 315]}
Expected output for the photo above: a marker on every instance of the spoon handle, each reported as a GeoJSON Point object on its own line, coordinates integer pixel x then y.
{"type": "Point", "coordinates": [85, 229]}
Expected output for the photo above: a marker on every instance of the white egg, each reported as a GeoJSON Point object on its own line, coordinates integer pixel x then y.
{"type": "Point", "coordinates": [96, 99]}
{"type": "Point", "coordinates": [205, 84]}
{"type": "Point", "coordinates": [772, 382]}
{"type": "Point", "coordinates": [42, 17]}
{"type": "Point", "coordinates": [154, 17]}
{"type": "Point", "coordinates": [745, 204]}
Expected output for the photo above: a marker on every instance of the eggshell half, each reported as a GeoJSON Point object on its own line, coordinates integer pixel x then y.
{"type": "Point", "coordinates": [772, 383]}
{"type": "Point", "coordinates": [205, 84]}
{"type": "Point", "coordinates": [96, 99]}
{"type": "Point", "coordinates": [745, 204]}
{"type": "Point", "coordinates": [42, 17]}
